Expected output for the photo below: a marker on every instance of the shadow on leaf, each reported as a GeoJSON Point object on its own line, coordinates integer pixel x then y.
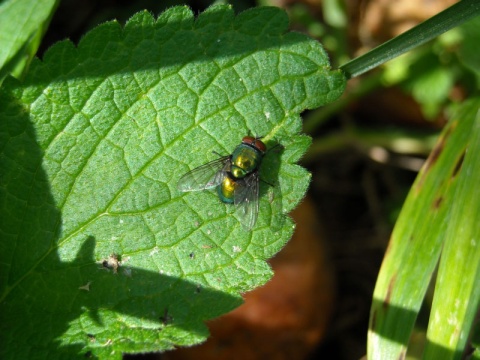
{"type": "Point", "coordinates": [60, 309]}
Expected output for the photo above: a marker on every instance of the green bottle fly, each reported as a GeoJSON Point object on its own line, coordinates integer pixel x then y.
{"type": "Point", "coordinates": [235, 176]}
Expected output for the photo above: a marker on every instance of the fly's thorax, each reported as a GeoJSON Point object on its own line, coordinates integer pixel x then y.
{"type": "Point", "coordinates": [245, 160]}
{"type": "Point", "coordinates": [226, 189]}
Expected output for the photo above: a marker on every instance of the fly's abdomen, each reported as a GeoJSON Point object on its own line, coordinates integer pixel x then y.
{"type": "Point", "coordinates": [226, 189]}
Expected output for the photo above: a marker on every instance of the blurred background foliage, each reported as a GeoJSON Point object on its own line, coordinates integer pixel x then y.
{"type": "Point", "coordinates": [367, 149]}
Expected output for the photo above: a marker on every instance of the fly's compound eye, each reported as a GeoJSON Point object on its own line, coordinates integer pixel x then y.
{"type": "Point", "coordinates": [255, 142]}
{"type": "Point", "coordinates": [250, 140]}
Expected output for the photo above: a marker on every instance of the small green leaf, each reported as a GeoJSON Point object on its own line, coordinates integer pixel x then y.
{"type": "Point", "coordinates": [431, 88]}
{"type": "Point", "coordinates": [92, 146]}
{"type": "Point", "coordinates": [22, 24]}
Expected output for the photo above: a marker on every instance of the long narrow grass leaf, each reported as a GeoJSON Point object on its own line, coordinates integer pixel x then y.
{"type": "Point", "coordinates": [455, 302]}
{"type": "Point", "coordinates": [416, 243]}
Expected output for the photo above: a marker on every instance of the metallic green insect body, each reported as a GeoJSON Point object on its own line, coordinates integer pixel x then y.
{"type": "Point", "coordinates": [235, 176]}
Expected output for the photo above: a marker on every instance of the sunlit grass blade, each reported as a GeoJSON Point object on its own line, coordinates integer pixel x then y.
{"type": "Point", "coordinates": [455, 301]}
{"type": "Point", "coordinates": [416, 242]}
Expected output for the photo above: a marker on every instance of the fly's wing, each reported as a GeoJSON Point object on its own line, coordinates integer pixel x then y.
{"type": "Point", "coordinates": [204, 177]}
{"type": "Point", "coordinates": [246, 199]}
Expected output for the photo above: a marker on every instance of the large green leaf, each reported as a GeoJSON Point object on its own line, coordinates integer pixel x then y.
{"type": "Point", "coordinates": [92, 146]}
{"type": "Point", "coordinates": [437, 210]}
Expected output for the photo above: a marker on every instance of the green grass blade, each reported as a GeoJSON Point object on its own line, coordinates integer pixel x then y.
{"type": "Point", "coordinates": [457, 292]}
{"type": "Point", "coordinates": [420, 34]}
{"type": "Point", "coordinates": [416, 242]}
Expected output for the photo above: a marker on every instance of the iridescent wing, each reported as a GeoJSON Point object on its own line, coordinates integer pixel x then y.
{"type": "Point", "coordinates": [246, 199]}
{"type": "Point", "coordinates": [206, 176]}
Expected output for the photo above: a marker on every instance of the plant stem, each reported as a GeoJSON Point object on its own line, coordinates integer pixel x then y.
{"type": "Point", "coordinates": [420, 34]}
